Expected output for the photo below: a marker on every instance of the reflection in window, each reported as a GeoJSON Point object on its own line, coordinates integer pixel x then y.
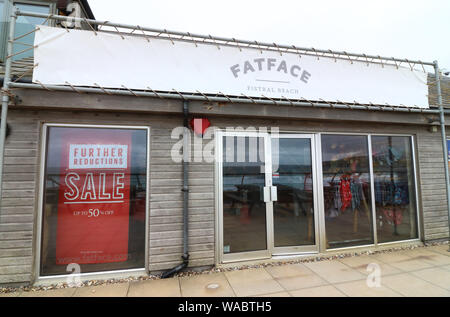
{"type": "Point", "coordinates": [394, 188]}
{"type": "Point", "coordinates": [293, 212]}
{"type": "Point", "coordinates": [2, 30]}
{"type": "Point", "coordinates": [244, 210]}
{"type": "Point", "coordinates": [346, 185]}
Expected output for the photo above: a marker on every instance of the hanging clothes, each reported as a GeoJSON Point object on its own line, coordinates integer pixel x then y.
{"type": "Point", "coordinates": [379, 194]}
{"type": "Point", "coordinates": [397, 195]}
{"type": "Point", "coordinates": [345, 192]}
{"type": "Point", "coordinates": [394, 216]}
{"type": "Point", "coordinates": [337, 197]}
{"type": "Point", "coordinates": [357, 193]}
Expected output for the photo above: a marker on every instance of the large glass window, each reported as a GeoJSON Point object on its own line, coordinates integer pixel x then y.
{"type": "Point", "coordinates": [3, 21]}
{"type": "Point", "coordinates": [94, 207]}
{"type": "Point", "coordinates": [346, 185]}
{"type": "Point", "coordinates": [394, 188]}
{"type": "Point", "coordinates": [25, 25]}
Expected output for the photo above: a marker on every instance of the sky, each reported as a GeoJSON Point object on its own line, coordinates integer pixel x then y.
{"type": "Point", "coordinates": [411, 29]}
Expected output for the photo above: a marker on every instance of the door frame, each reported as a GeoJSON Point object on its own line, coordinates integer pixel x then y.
{"type": "Point", "coordinates": [241, 256]}
{"type": "Point", "coordinates": [314, 248]}
{"type": "Point", "coordinates": [271, 251]}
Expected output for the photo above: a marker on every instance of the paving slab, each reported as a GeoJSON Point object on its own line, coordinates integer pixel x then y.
{"type": "Point", "coordinates": [412, 286]}
{"type": "Point", "coordinates": [442, 249]}
{"type": "Point", "coordinates": [335, 271]}
{"type": "Point", "coordinates": [362, 289]}
{"type": "Point", "coordinates": [252, 282]}
{"type": "Point", "coordinates": [62, 292]}
{"type": "Point", "coordinates": [295, 276]}
{"type": "Point", "coordinates": [406, 261]}
{"type": "Point", "coordinates": [206, 285]}
{"type": "Point", "coordinates": [321, 291]}
{"type": "Point", "coordinates": [279, 294]}
{"type": "Point", "coordinates": [437, 276]}
{"type": "Point", "coordinates": [428, 256]}
{"type": "Point", "coordinates": [169, 287]}
{"type": "Point", "coordinates": [107, 290]}
{"type": "Point", "coordinates": [390, 257]}
{"type": "Point", "coordinates": [11, 294]}
{"type": "Point", "coordinates": [361, 264]}
{"type": "Point", "coordinates": [411, 265]}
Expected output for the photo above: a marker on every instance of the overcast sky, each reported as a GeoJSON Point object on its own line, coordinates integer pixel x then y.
{"type": "Point", "coordinates": [413, 29]}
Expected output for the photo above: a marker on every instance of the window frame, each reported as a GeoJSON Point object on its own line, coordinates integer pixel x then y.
{"type": "Point", "coordinates": [6, 14]}
{"type": "Point", "coordinates": [40, 208]}
{"type": "Point", "coordinates": [412, 138]}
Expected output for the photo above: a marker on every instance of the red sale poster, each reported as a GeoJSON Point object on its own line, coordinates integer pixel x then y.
{"type": "Point", "coordinates": [94, 197]}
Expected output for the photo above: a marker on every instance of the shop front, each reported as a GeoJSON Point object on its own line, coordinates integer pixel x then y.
{"type": "Point", "coordinates": [301, 193]}
{"type": "Point", "coordinates": [102, 190]}
{"type": "Point", "coordinates": [106, 173]}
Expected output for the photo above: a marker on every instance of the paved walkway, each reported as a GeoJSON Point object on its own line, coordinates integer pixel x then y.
{"type": "Point", "coordinates": [417, 272]}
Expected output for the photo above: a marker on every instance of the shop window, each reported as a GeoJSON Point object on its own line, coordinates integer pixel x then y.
{"type": "Point", "coordinates": [346, 185]}
{"type": "Point", "coordinates": [448, 152]}
{"type": "Point", "coordinates": [394, 188]}
{"type": "Point", "coordinates": [23, 25]}
{"type": "Point", "coordinates": [94, 204]}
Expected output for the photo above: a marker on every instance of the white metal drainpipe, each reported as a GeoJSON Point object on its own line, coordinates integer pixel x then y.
{"type": "Point", "coordinates": [444, 139]}
{"type": "Point", "coordinates": [5, 97]}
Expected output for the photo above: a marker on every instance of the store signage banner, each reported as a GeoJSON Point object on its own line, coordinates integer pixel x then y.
{"type": "Point", "coordinates": [82, 58]}
{"type": "Point", "coordinates": [94, 198]}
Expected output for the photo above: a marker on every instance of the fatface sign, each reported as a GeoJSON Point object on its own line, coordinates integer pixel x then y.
{"type": "Point", "coordinates": [82, 58]}
{"type": "Point", "coordinates": [271, 64]}
{"type": "Point", "coordinates": [93, 211]}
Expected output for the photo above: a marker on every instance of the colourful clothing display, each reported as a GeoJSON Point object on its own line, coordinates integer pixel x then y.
{"type": "Point", "coordinates": [345, 191]}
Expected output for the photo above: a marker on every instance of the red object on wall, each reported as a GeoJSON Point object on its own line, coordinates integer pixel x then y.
{"type": "Point", "coordinates": [94, 197]}
{"type": "Point", "coordinates": [199, 125]}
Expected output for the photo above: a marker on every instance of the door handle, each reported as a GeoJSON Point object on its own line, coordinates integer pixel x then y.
{"type": "Point", "coordinates": [273, 193]}
{"type": "Point", "coordinates": [270, 193]}
{"type": "Point", "coordinates": [266, 194]}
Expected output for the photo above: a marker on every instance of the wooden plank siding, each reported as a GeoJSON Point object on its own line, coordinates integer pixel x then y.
{"type": "Point", "coordinates": [18, 216]}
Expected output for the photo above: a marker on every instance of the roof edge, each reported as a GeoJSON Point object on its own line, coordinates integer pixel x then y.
{"type": "Point", "coordinates": [88, 9]}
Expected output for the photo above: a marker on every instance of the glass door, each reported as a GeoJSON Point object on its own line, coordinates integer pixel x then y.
{"type": "Point", "coordinates": [266, 195]}
{"type": "Point", "coordinates": [294, 207]}
{"type": "Point", "coordinates": [244, 191]}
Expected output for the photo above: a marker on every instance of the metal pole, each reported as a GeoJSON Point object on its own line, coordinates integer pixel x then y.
{"type": "Point", "coordinates": [444, 138]}
{"type": "Point", "coordinates": [225, 40]}
{"type": "Point", "coordinates": [185, 190]}
{"type": "Point", "coordinates": [192, 97]}
{"type": "Point", "coordinates": [186, 158]}
{"type": "Point", "coordinates": [5, 97]}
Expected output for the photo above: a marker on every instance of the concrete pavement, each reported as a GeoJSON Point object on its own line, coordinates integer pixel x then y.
{"type": "Point", "coordinates": [417, 272]}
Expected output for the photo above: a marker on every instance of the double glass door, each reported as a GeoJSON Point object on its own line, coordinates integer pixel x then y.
{"type": "Point", "coordinates": [267, 197]}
